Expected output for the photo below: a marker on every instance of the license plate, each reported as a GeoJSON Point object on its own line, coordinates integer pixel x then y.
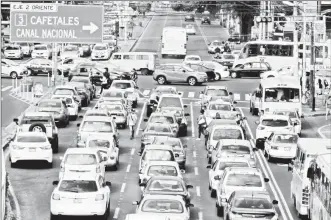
{"type": "Point", "coordinates": [77, 201]}
{"type": "Point", "coordinates": [32, 149]}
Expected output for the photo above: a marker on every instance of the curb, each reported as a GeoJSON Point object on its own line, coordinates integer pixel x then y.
{"type": "Point", "coordinates": [135, 43]}
{"type": "Point", "coordinates": [311, 115]}
{"type": "Point", "coordinates": [15, 208]}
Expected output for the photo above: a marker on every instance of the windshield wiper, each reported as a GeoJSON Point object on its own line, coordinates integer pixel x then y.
{"type": "Point", "coordinates": [71, 190]}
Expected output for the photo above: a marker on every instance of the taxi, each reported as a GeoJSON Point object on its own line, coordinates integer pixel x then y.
{"type": "Point", "coordinates": [132, 96]}
{"type": "Point", "coordinates": [117, 111]}
{"type": "Point", "coordinates": [113, 95]}
{"type": "Point", "coordinates": [165, 117]}
{"type": "Point", "coordinates": [211, 93]}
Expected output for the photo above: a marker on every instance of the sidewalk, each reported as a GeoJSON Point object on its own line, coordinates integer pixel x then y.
{"type": "Point", "coordinates": [319, 108]}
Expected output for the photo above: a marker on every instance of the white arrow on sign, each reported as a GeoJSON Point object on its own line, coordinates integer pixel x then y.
{"type": "Point", "coordinates": [92, 28]}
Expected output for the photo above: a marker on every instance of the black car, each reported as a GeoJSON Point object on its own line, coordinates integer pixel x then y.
{"type": "Point", "coordinates": [189, 18]}
{"type": "Point", "coordinates": [88, 83]}
{"type": "Point", "coordinates": [205, 20]}
{"type": "Point", "coordinates": [249, 69]}
{"type": "Point", "coordinates": [202, 68]}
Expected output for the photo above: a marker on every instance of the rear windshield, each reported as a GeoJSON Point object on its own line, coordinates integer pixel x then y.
{"type": "Point", "coordinates": [227, 134]}
{"type": "Point", "coordinates": [224, 165]}
{"type": "Point", "coordinates": [78, 186]}
{"type": "Point", "coordinates": [165, 119]}
{"type": "Point", "coordinates": [112, 94]}
{"type": "Point", "coordinates": [40, 48]}
{"type": "Point", "coordinates": [121, 85]}
{"type": "Point", "coordinates": [99, 143]}
{"type": "Point", "coordinates": [64, 92]}
{"type": "Point", "coordinates": [170, 102]}
{"type": "Point", "coordinates": [274, 123]}
{"type": "Point", "coordinates": [162, 206]}
{"type": "Point", "coordinates": [160, 170]}
{"type": "Point", "coordinates": [217, 92]}
{"type": "Point", "coordinates": [165, 185]}
{"type": "Point", "coordinates": [80, 159]}
{"type": "Point", "coordinates": [252, 203]}
{"type": "Point", "coordinates": [12, 48]}
{"type": "Point", "coordinates": [50, 104]}
{"type": "Point", "coordinates": [97, 126]}
{"type": "Point", "coordinates": [31, 139]}
{"type": "Point", "coordinates": [158, 128]}
{"type": "Point", "coordinates": [163, 155]}
{"type": "Point", "coordinates": [220, 107]}
{"type": "Point", "coordinates": [286, 139]}
{"type": "Point", "coordinates": [245, 180]}
{"type": "Point", "coordinates": [236, 149]}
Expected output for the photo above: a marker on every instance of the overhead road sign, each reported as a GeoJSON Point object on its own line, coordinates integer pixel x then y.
{"type": "Point", "coordinates": [55, 23]}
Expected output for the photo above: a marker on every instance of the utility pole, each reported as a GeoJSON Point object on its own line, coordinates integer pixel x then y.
{"type": "Point", "coordinates": [304, 51]}
{"type": "Point", "coordinates": [312, 68]}
{"type": "Point", "coordinates": [295, 38]}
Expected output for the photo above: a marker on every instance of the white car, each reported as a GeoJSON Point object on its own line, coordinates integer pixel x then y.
{"type": "Point", "coordinates": [281, 144]}
{"type": "Point", "coordinates": [271, 123]}
{"type": "Point", "coordinates": [12, 69]}
{"type": "Point", "coordinates": [283, 71]}
{"type": "Point", "coordinates": [30, 146]}
{"type": "Point", "coordinates": [218, 68]}
{"type": "Point", "coordinates": [190, 30]}
{"type": "Point", "coordinates": [42, 51]}
{"type": "Point", "coordinates": [26, 48]}
{"type": "Point", "coordinates": [193, 59]}
{"type": "Point", "coordinates": [294, 117]}
{"type": "Point", "coordinates": [107, 148]}
{"type": "Point", "coordinates": [235, 53]}
{"type": "Point", "coordinates": [117, 111]}
{"type": "Point", "coordinates": [13, 52]}
{"type": "Point", "coordinates": [70, 51]}
{"type": "Point", "coordinates": [125, 85]}
{"type": "Point", "coordinates": [82, 160]}
{"type": "Point", "coordinates": [219, 106]}
{"type": "Point", "coordinates": [73, 107]}
{"type": "Point", "coordinates": [80, 195]}
{"type": "Point", "coordinates": [217, 169]}
{"type": "Point", "coordinates": [215, 45]}
{"type": "Point", "coordinates": [101, 52]}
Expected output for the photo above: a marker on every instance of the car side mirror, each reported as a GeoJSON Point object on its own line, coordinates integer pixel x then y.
{"type": "Point", "coordinates": [187, 114]}
{"type": "Point", "coordinates": [108, 183]}
{"type": "Point", "coordinates": [185, 146]}
{"type": "Point", "coordinates": [235, 102]}
{"type": "Point", "coordinates": [189, 186]}
{"type": "Point", "coordinates": [208, 166]}
{"type": "Point", "coordinates": [78, 124]}
{"type": "Point", "coordinates": [274, 202]}
{"type": "Point", "coordinates": [230, 93]}
{"type": "Point", "coordinates": [15, 120]}
{"type": "Point", "coordinates": [257, 122]}
{"type": "Point", "coordinates": [145, 119]}
{"type": "Point", "coordinates": [142, 184]}
{"type": "Point", "coordinates": [55, 183]}
{"type": "Point", "coordinates": [81, 116]}
{"type": "Point", "coordinates": [217, 177]}
{"type": "Point", "coordinates": [255, 149]}
{"type": "Point", "coordinates": [190, 205]}
{"type": "Point", "coordinates": [185, 106]}
{"type": "Point", "coordinates": [135, 203]}
{"type": "Point", "coordinates": [266, 180]}
{"type": "Point", "coordinates": [182, 171]}
{"type": "Point", "coordinates": [184, 71]}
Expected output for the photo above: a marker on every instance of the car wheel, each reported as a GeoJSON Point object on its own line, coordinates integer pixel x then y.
{"type": "Point", "coordinates": [53, 217]}
{"type": "Point", "coordinates": [13, 75]}
{"type": "Point", "coordinates": [55, 145]}
{"type": "Point", "coordinates": [234, 75]}
{"type": "Point", "coordinates": [161, 80]}
{"type": "Point", "coordinates": [192, 81]}
{"type": "Point", "coordinates": [50, 165]}
{"type": "Point", "coordinates": [217, 77]}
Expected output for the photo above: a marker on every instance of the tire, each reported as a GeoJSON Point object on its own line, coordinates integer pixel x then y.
{"type": "Point", "coordinates": [53, 217]}
{"type": "Point", "coordinates": [161, 80]}
{"type": "Point", "coordinates": [55, 145]}
{"type": "Point", "coordinates": [13, 75]}
{"type": "Point", "coordinates": [37, 127]}
{"type": "Point", "coordinates": [144, 71]}
{"type": "Point", "coordinates": [192, 81]}
{"type": "Point", "coordinates": [234, 75]}
{"type": "Point", "coordinates": [213, 193]}
{"type": "Point", "coordinates": [217, 77]}
{"type": "Point", "coordinates": [50, 165]}
{"type": "Point", "coordinates": [220, 211]}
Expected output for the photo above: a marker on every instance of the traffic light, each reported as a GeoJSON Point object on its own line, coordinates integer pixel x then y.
{"type": "Point", "coordinates": [263, 19]}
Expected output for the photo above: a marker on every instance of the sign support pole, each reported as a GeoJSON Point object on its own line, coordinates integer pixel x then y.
{"type": "Point", "coordinates": [312, 77]}
{"type": "Point", "coordinates": [54, 59]}
{"type": "Point", "coordinates": [304, 51]}
{"type": "Point", "coordinates": [295, 36]}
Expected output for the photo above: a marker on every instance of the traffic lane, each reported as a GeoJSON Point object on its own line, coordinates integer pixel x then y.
{"type": "Point", "coordinates": [313, 125]}
{"type": "Point", "coordinates": [325, 131]}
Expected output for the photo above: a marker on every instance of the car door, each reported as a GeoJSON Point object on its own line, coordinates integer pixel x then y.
{"type": "Point", "coordinates": [181, 73]}
{"type": "Point", "coordinates": [268, 141]}
{"type": "Point", "coordinates": [169, 72]}
{"type": "Point", "coordinates": [256, 68]}
{"type": "Point", "coordinates": [5, 68]}
{"type": "Point", "coordinates": [212, 171]}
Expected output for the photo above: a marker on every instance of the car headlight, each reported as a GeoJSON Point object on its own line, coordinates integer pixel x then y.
{"type": "Point", "coordinates": [17, 147]}
{"type": "Point", "coordinates": [56, 196]}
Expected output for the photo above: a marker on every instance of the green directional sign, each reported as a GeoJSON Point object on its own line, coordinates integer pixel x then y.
{"type": "Point", "coordinates": [56, 23]}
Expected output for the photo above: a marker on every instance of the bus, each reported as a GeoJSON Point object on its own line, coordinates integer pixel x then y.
{"type": "Point", "coordinates": [320, 197]}
{"type": "Point", "coordinates": [276, 53]}
{"type": "Point", "coordinates": [277, 93]}
{"type": "Point", "coordinates": [307, 151]}
{"type": "Point", "coordinates": [174, 41]}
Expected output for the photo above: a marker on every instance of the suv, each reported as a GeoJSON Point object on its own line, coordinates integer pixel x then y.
{"type": "Point", "coordinates": [205, 20]}
{"type": "Point", "coordinates": [168, 73]}
{"type": "Point", "coordinates": [39, 122]}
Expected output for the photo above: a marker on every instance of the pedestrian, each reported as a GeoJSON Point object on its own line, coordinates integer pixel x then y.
{"type": "Point", "coordinates": [328, 106]}
{"type": "Point", "coordinates": [107, 75]}
{"type": "Point", "coordinates": [132, 120]}
{"type": "Point", "coordinates": [134, 75]}
{"type": "Point", "coordinates": [104, 83]}
{"type": "Point", "coordinates": [202, 123]}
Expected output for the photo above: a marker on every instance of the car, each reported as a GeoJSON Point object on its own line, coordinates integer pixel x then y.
{"type": "Point", "coordinates": [26, 48]}
{"type": "Point", "coordinates": [294, 117]}
{"type": "Point", "coordinates": [226, 148]}
{"type": "Point", "coordinates": [125, 85]}
{"type": "Point", "coordinates": [117, 111]}
{"type": "Point", "coordinates": [189, 18]}
{"type": "Point", "coordinates": [70, 103]}
{"type": "Point", "coordinates": [73, 194]}
{"type": "Point", "coordinates": [220, 71]}
{"type": "Point", "coordinates": [167, 185]}
{"type": "Point", "coordinates": [100, 52]}
{"type": "Point", "coordinates": [159, 168]}
{"type": "Point", "coordinates": [155, 129]}
{"type": "Point", "coordinates": [237, 178]}
{"type": "Point", "coordinates": [83, 91]}
{"type": "Point", "coordinates": [178, 148]}
{"type": "Point", "coordinates": [271, 123]}
{"type": "Point", "coordinates": [252, 202]}
{"type": "Point", "coordinates": [219, 107]}
{"type": "Point", "coordinates": [235, 39]}
{"type": "Point", "coordinates": [225, 59]}
{"type": "Point", "coordinates": [82, 160]}
{"type": "Point", "coordinates": [170, 73]}
{"type": "Point", "coordinates": [203, 68]}
{"type": "Point", "coordinates": [70, 51]}
{"type": "Point", "coordinates": [85, 50]}
{"type": "Point", "coordinates": [96, 112]}
{"type": "Point", "coordinates": [12, 69]}
{"type": "Point", "coordinates": [215, 46]}
{"type": "Point", "coordinates": [42, 51]}
{"type": "Point", "coordinates": [113, 95]}
{"type": "Point", "coordinates": [58, 108]}
{"type": "Point", "coordinates": [96, 125]}
{"type": "Point", "coordinates": [14, 52]}
{"type": "Point", "coordinates": [30, 146]}
{"type": "Point", "coordinates": [171, 206]}
{"type": "Point", "coordinates": [250, 69]}
{"type": "Point", "coordinates": [155, 97]}
{"type": "Point", "coordinates": [37, 66]}
{"type": "Point", "coordinates": [68, 64]}
{"type": "Point", "coordinates": [283, 71]}
{"type": "Point", "coordinates": [88, 82]}
{"type": "Point", "coordinates": [71, 91]}
{"type": "Point", "coordinates": [31, 121]}
{"type": "Point", "coordinates": [107, 148]}
{"type": "Point", "coordinates": [190, 30]}
{"type": "Point", "coordinates": [190, 59]}
{"type": "Point", "coordinates": [281, 145]}
{"type": "Point", "coordinates": [163, 117]}
{"type": "Point", "coordinates": [205, 20]}
{"type": "Point", "coordinates": [235, 53]}
{"type": "Point", "coordinates": [216, 170]}
{"type": "Point", "coordinates": [143, 216]}
{"type": "Point", "coordinates": [211, 93]}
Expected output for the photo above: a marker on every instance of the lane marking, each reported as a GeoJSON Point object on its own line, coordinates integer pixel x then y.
{"type": "Point", "coordinates": [198, 191]}
{"type": "Point", "coordinates": [6, 88]}
{"type": "Point", "coordinates": [141, 118]}
{"type": "Point", "coordinates": [319, 131]}
{"type": "Point", "coordinates": [132, 151]}
{"type": "Point", "coordinates": [123, 187]}
{"type": "Point", "coordinates": [146, 92]}
{"type": "Point", "coordinates": [202, 33]}
{"type": "Point", "coordinates": [196, 171]}
{"type": "Point", "coordinates": [117, 211]}
{"type": "Point", "coordinates": [142, 36]}
{"type": "Point", "coordinates": [194, 154]}
{"type": "Point", "coordinates": [192, 121]}
{"type": "Point", "coordinates": [191, 94]}
{"type": "Point", "coordinates": [200, 216]}
{"type": "Point", "coordinates": [128, 168]}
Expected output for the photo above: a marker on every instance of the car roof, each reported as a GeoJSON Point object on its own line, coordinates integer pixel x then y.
{"type": "Point", "coordinates": [252, 193]}
{"type": "Point", "coordinates": [285, 132]}
{"type": "Point", "coordinates": [42, 114]}
{"type": "Point", "coordinates": [167, 178]}
{"type": "Point", "coordinates": [165, 138]}
{"type": "Point", "coordinates": [81, 150]}
{"type": "Point", "coordinates": [275, 117]}
{"type": "Point", "coordinates": [163, 113]}
{"type": "Point", "coordinates": [233, 159]}
{"type": "Point", "coordinates": [235, 142]}
{"type": "Point", "coordinates": [50, 100]}
{"type": "Point", "coordinates": [159, 197]}
{"type": "Point", "coordinates": [244, 170]}
{"type": "Point", "coordinates": [97, 111]}
{"type": "Point", "coordinates": [158, 147]}
{"type": "Point", "coordinates": [100, 137]}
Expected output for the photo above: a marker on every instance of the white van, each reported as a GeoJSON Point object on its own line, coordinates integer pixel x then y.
{"type": "Point", "coordinates": [141, 61]}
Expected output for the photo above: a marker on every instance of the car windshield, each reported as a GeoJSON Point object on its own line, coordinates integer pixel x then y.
{"type": "Point", "coordinates": [189, 27]}
{"type": "Point", "coordinates": [217, 92]}
{"type": "Point", "coordinates": [237, 149]}
{"type": "Point", "coordinates": [80, 79]}
{"type": "Point", "coordinates": [97, 126]}
{"type": "Point", "coordinates": [165, 90]}
{"type": "Point", "coordinates": [292, 115]}
{"type": "Point", "coordinates": [223, 165]}
{"type": "Point", "coordinates": [162, 206]}
{"type": "Point", "coordinates": [228, 57]}
{"type": "Point", "coordinates": [112, 94]}
{"type": "Point", "coordinates": [96, 114]}
{"type": "Point", "coordinates": [286, 139]}
{"type": "Point", "coordinates": [170, 102]}
{"type": "Point", "coordinates": [252, 203]}
{"type": "Point", "coordinates": [100, 48]}
{"type": "Point", "coordinates": [23, 44]}
{"type": "Point", "coordinates": [274, 123]}
{"type": "Point", "coordinates": [159, 127]}
{"type": "Point", "coordinates": [70, 48]}
{"type": "Point", "coordinates": [99, 143]}
{"type": "Point", "coordinates": [226, 133]}
{"type": "Point", "coordinates": [78, 186]}
{"type": "Point", "coordinates": [49, 104]}
{"type": "Point", "coordinates": [31, 139]}
{"type": "Point", "coordinates": [193, 58]}
{"type": "Point", "coordinates": [12, 48]}
{"type": "Point", "coordinates": [216, 43]}
{"type": "Point", "coordinates": [40, 48]}
{"type": "Point", "coordinates": [221, 107]}
{"type": "Point", "coordinates": [163, 155]}
{"type": "Point", "coordinates": [245, 180]}
{"type": "Point", "coordinates": [111, 107]}
{"type": "Point", "coordinates": [161, 170]}
{"type": "Point", "coordinates": [165, 186]}
{"type": "Point", "coordinates": [36, 119]}
{"type": "Point", "coordinates": [121, 85]}
{"type": "Point", "coordinates": [64, 92]}
{"type": "Point", "coordinates": [160, 119]}
{"type": "Point", "coordinates": [80, 159]}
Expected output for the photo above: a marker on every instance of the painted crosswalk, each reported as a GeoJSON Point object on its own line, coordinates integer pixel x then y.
{"type": "Point", "coordinates": [194, 95]}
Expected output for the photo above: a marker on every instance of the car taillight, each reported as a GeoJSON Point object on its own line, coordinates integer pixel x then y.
{"type": "Point", "coordinates": [46, 147]}
{"type": "Point", "coordinates": [99, 197]}
{"type": "Point", "coordinates": [98, 169]}
{"type": "Point", "coordinates": [274, 147]}
{"type": "Point", "coordinates": [185, 46]}
{"type": "Point", "coordinates": [56, 197]}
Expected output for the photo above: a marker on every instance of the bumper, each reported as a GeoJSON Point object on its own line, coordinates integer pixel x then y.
{"type": "Point", "coordinates": [13, 56]}
{"type": "Point", "coordinates": [45, 155]}
{"type": "Point", "coordinates": [100, 57]}
{"type": "Point", "coordinates": [60, 119]}
{"type": "Point", "coordinates": [59, 207]}
{"type": "Point", "coordinates": [200, 80]}
{"type": "Point", "coordinates": [282, 154]}
{"type": "Point", "coordinates": [110, 162]}
{"type": "Point", "coordinates": [39, 56]}
{"type": "Point", "coordinates": [72, 111]}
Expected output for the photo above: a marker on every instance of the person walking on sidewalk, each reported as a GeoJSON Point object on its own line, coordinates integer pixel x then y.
{"type": "Point", "coordinates": [132, 120]}
{"type": "Point", "coordinates": [202, 123]}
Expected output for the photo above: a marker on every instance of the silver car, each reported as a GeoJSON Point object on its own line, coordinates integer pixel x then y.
{"type": "Point", "coordinates": [169, 73]}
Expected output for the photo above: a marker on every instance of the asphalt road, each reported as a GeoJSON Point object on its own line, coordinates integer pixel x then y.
{"type": "Point", "coordinates": [33, 184]}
